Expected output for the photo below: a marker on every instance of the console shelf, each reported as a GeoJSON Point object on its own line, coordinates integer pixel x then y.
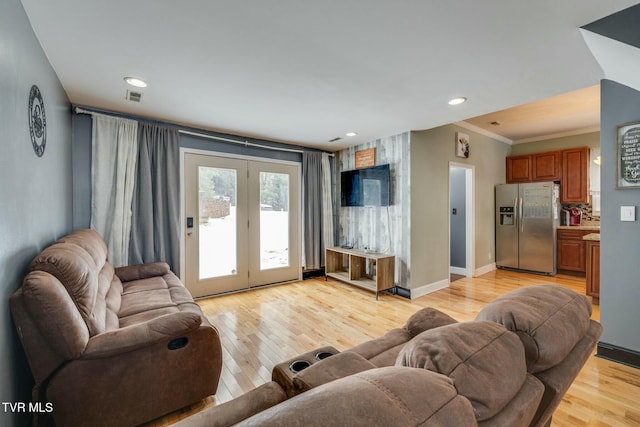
{"type": "Point", "coordinates": [350, 266]}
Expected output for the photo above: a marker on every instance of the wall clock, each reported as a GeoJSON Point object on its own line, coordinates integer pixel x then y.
{"type": "Point", "coordinates": [37, 121]}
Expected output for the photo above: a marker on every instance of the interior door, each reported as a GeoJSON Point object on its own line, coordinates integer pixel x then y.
{"type": "Point", "coordinates": [241, 223]}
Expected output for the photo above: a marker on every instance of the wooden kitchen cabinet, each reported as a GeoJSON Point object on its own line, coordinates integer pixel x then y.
{"type": "Point", "coordinates": [534, 167]}
{"type": "Point", "coordinates": [593, 270]}
{"type": "Point", "coordinates": [546, 166]}
{"type": "Point", "coordinates": [570, 167]}
{"type": "Point", "coordinates": [574, 187]}
{"type": "Point", "coordinates": [571, 250]}
{"type": "Point", "coordinates": [519, 169]}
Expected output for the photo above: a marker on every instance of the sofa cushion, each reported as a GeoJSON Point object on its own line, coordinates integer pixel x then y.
{"type": "Point", "coordinates": [91, 241]}
{"type": "Point", "coordinates": [549, 319]}
{"type": "Point", "coordinates": [390, 396]}
{"type": "Point", "coordinates": [76, 270]}
{"type": "Point", "coordinates": [383, 351]}
{"type": "Point", "coordinates": [55, 314]}
{"type": "Point", "coordinates": [150, 297]}
{"type": "Point", "coordinates": [484, 360]}
{"type": "Point", "coordinates": [425, 319]}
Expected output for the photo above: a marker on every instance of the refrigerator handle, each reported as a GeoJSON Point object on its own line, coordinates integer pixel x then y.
{"type": "Point", "coordinates": [521, 215]}
{"type": "Point", "coordinates": [515, 213]}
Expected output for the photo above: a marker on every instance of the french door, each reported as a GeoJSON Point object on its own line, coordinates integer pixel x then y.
{"type": "Point", "coordinates": [241, 223]}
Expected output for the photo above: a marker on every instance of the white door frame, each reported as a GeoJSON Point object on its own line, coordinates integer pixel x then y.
{"type": "Point", "coordinates": [183, 220]}
{"type": "Point", "coordinates": [470, 215]}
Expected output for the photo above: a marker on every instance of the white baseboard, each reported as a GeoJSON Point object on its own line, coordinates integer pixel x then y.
{"type": "Point", "coordinates": [458, 270]}
{"type": "Point", "coordinates": [427, 289]}
{"type": "Point", "coordinates": [483, 270]}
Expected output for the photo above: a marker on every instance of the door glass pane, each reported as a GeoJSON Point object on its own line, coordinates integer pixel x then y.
{"type": "Point", "coordinates": [217, 195]}
{"type": "Point", "coordinates": [274, 220]}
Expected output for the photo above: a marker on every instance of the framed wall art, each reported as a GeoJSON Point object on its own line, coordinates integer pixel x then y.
{"type": "Point", "coordinates": [462, 145]}
{"type": "Point", "coordinates": [628, 156]}
{"type": "Point", "coordinates": [37, 121]}
{"type": "Point", "coordinates": [365, 158]}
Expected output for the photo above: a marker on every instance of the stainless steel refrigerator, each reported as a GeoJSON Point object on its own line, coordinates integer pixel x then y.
{"type": "Point", "coordinates": [527, 217]}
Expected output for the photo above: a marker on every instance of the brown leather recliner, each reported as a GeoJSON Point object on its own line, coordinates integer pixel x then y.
{"type": "Point", "coordinates": [509, 367]}
{"type": "Point", "coordinates": [111, 346]}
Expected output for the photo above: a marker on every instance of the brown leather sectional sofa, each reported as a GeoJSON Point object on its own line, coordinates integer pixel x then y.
{"type": "Point", "coordinates": [113, 347]}
{"type": "Point", "coordinates": [509, 367]}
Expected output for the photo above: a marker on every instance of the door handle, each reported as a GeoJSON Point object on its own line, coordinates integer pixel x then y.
{"type": "Point", "coordinates": [189, 225]}
{"type": "Point", "coordinates": [521, 215]}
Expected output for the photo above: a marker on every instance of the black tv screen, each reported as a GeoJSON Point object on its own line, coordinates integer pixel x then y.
{"type": "Point", "coordinates": [366, 187]}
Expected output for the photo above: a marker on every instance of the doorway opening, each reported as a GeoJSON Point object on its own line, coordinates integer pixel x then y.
{"type": "Point", "coordinates": [461, 221]}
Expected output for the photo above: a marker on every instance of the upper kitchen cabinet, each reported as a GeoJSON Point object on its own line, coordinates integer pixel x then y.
{"type": "Point", "coordinates": [546, 166]}
{"type": "Point", "coordinates": [570, 167]}
{"type": "Point", "coordinates": [574, 187]}
{"type": "Point", "coordinates": [534, 167]}
{"type": "Point", "coordinates": [519, 169]}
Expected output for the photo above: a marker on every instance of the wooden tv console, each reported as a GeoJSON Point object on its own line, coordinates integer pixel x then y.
{"type": "Point", "coordinates": [350, 266]}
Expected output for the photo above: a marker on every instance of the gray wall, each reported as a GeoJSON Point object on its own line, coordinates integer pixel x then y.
{"type": "Point", "coordinates": [620, 241]}
{"type": "Point", "coordinates": [458, 223]}
{"type": "Point", "coordinates": [431, 152]}
{"type": "Point", "coordinates": [591, 140]}
{"type": "Point", "coordinates": [35, 193]}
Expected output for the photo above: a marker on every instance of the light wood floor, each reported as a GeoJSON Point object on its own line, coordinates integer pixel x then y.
{"type": "Point", "coordinates": [263, 327]}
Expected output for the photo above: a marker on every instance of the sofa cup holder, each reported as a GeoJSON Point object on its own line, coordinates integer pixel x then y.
{"type": "Point", "coordinates": [323, 355]}
{"type": "Point", "coordinates": [298, 366]}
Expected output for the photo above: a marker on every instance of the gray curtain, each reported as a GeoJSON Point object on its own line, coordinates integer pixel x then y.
{"type": "Point", "coordinates": [114, 152]}
{"type": "Point", "coordinates": [313, 246]}
{"type": "Point", "coordinates": [155, 228]}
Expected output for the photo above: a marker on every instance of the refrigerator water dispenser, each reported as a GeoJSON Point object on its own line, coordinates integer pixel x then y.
{"type": "Point", "coordinates": [507, 215]}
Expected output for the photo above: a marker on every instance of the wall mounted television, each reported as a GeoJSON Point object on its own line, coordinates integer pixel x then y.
{"type": "Point", "coordinates": [366, 186]}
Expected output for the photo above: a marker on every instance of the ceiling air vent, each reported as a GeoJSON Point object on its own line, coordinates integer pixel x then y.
{"type": "Point", "coordinates": [335, 139]}
{"type": "Point", "coordinates": [133, 96]}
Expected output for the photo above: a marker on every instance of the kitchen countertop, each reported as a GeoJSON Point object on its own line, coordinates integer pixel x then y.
{"type": "Point", "coordinates": [595, 237]}
{"type": "Point", "coordinates": [579, 227]}
{"type": "Point", "coordinates": [586, 225]}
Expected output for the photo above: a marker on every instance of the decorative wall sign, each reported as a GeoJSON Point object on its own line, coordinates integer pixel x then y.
{"type": "Point", "coordinates": [628, 156]}
{"type": "Point", "coordinates": [37, 121]}
{"type": "Point", "coordinates": [462, 145]}
{"type": "Point", "coordinates": [365, 158]}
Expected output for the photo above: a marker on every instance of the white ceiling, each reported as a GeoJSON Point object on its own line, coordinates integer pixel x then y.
{"type": "Point", "coordinates": [308, 72]}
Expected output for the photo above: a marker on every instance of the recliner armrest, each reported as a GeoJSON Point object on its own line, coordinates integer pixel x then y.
{"type": "Point", "coordinates": [142, 271]}
{"type": "Point", "coordinates": [332, 368]}
{"type": "Point", "coordinates": [141, 335]}
{"type": "Point", "coordinates": [234, 411]}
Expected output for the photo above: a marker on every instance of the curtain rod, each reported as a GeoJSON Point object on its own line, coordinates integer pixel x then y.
{"type": "Point", "coordinates": [246, 143]}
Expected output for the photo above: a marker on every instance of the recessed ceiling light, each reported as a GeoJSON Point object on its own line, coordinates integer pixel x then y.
{"type": "Point", "coordinates": [351, 133]}
{"type": "Point", "coordinates": [457, 101]}
{"type": "Point", "coordinates": [135, 81]}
